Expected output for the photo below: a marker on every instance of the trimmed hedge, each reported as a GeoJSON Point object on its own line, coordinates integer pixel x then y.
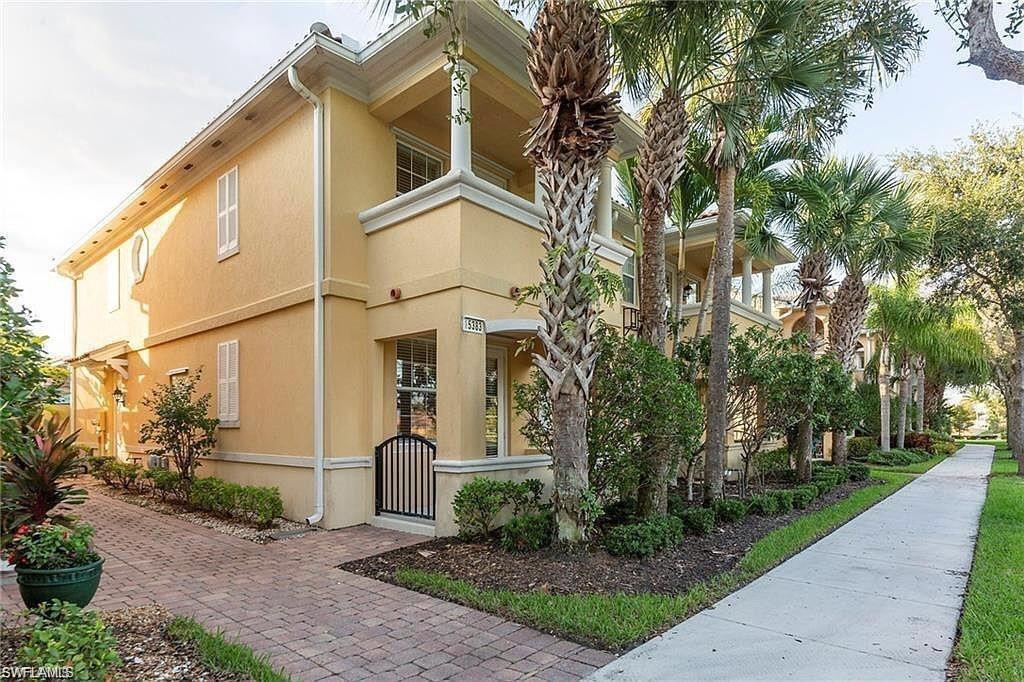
{"type": "Point", "coordinates": [645, 538]}
{"type": "Point", "coordinates": [859, 447]}
{"type": "Point", "coordinates": [803, 495]}
{"type": "Point", "coordinates": [528, 532]}
{"type": "Point", "coordinates": [858, 471]}
{"type": "Point", "coordinates": [783, 501]}
{"type": "Point", "coordinates": [698, 520]}
{"type": "Point", "coordinates": [763, 505]}
{"type": "Point", "coordinates": [729, 510]}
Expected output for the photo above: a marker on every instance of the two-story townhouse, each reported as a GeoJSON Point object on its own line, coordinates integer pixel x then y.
{"type": "Point", "coordinates": [341, 257]}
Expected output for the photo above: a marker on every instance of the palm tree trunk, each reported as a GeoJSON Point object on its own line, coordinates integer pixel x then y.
{"type": "Point", "coordinates": [884, 399]}
{"type": "Point", "coordinates": [805, 433]}
{"type": "Point", "coordinates": [718, 367]}
{"type": "Point", "coordinates": [919, 417]}
{"type": "Point", "coordinates": [901, 419]}
{"type": "Point", "coordinates": [569, 70]}
{"type": "Point", "coordinates": [845, 320]}
{"type": "Point", "coordinates": [933, 391]}
{"type": "Point", "coordinates": [660, 160]}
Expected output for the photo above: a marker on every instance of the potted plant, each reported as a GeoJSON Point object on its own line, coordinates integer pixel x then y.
{"type": "Point", "coordinates": [55, 562]}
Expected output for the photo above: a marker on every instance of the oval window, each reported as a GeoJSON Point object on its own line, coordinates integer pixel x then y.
{"type": "Point", "coordinates": [140, 255]}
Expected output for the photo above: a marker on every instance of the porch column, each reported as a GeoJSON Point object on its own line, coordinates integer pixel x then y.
{"type": "Point", "coordinates": [604, 200]}
{"type": "Point", "coordinates": [461, 146]}
{"type": "Point", "coordinates": [748, 284]}
{"type": "Point", "coordinates": [766, 291]}
{"type": "Point", "coordinates": [461, 357]}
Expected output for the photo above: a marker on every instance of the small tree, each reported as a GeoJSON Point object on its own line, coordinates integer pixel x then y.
{"type": "Point", "coordinates": [180, 427]}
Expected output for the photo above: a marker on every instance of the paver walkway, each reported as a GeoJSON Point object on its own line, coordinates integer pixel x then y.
{"type": "Point", "coordinates": [286, 599]}
{"type": "Point", "coordinates": [877, 599]}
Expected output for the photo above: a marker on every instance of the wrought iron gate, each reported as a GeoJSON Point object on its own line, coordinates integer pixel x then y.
{"type": "Point", "coordinates": [404, 476]}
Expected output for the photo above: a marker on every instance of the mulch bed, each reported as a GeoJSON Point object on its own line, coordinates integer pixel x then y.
{"type": "Point", "coordinates": [282, 529]}
{"type": "Point", "coordinates": [589, 570]}
{"type": "Point", "coordinates": [147, 652]}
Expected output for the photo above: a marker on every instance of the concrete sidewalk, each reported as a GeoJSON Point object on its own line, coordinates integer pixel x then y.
{"type": "Point", "coordinates": [878, 599]}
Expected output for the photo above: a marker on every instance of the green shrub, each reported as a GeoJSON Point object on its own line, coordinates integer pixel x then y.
{"type": "Point", "coordinates": [622, 512]}
{"type": "Point", "coordinates": [762, 505]}
{"type": "Point", "coordinates": [858, 471]}
{"type": "Point", "coordinates": [477, 504]}
{"type": "Point", "coordinates": [166, 483]}
{"type": "Point", "coordinates": [859, 447]}
{"type": "Point", "coordinates": [97, 462]}
{"type": "Point", "coordinates": [202, 494]}
{"type": "Point", "coordinates": [525, 496]}
{"type": "Point", "coordinates": [772, 464]}
{"type": "Point", "coordinates": [944, 449]}
{"type": "Point", "coordinates": [259, 506]}
{"type": "Point", "coordinates": [783, 501]}
{"type": "Point", "coordinates": [122, 474]}
{"type": "Point", "coordinates": [65, 635]}
{"type": "Point", "coordinates": [823, 486]}
{"type": "Point", "coordinates": [729, 510]}
{"type": "Point", "coordinates": [897, 457]}
{"type": "Point", "coordinates": [645, 538]}
{"type": "Point", "coordinates": [918, 441]}
{"type": "Point", "coordinates": [698, 520]}
{"type": "Point", "coordinates": [803, 495]}
{"type": "Point", "coordinates": [50, 546]}
{"type": "Point", "coordinates": [528, 532]}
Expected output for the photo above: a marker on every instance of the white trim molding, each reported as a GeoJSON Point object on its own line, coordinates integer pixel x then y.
{"type": "Point", "coordinates": [290, 460]}
{"type": "Point", "coordinates": [472, 466]}
{"type": "Point", "coordinates": [741, 310]}
{"type": "Point", "coordinates": [515, 324]}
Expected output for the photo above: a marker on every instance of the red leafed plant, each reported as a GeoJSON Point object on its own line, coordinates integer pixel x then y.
{"type": "Point", "coordinates": [34, 477]}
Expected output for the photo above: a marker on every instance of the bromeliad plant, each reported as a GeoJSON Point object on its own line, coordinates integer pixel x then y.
{"type": "Point", "coordinates": [49, 546]}
{"type": "Point", "coordinates": [34, 478]}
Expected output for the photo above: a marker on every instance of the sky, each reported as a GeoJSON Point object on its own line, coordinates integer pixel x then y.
{"type": "Point", "coordinates": [94, 97]}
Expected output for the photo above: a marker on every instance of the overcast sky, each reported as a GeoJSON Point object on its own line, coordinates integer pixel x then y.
{"type": "Point", "coordinates": [96, 96]}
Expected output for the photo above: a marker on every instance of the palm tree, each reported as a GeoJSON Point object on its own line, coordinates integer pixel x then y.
{"type": "Point", "coordinates": [894, 315]}
{"type": "Point", "coordinates": [851, 213]}
{"type": "Point", "coordinates": [570, 69]}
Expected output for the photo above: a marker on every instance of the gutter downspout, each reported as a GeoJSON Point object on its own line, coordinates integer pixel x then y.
{"type": "Point", "coordinates": [72, 372]}
{"type": "Point", "coordinates": [318, 294]}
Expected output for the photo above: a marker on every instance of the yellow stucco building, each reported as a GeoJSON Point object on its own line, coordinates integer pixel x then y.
{"type": "Point", "coordinates": [341, 258]}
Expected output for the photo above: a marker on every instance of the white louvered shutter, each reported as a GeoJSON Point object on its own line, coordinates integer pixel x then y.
{"type": "Point", "coordinates": [227, 383]}
{"type": "Point", "coordinates": [227, 213]}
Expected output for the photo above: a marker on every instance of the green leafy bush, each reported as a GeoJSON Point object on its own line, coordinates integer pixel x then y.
{"type": "Point", "coordinates": [772, 464]}
{"type": "Point", "coordinates": [97, 462]}
{"type": "Point", "coordinates": [858, 471]}
{"type": "Point", "coordinates": [166, 483]}
{"type": "Point", "coordinates": [51, 546]}
{"type": "Point", "coordinates": [528, 532]}
{"type": "Point", "coordinates": [65, 635]}
{"type": "Point", "coordinates": [476, 505]}
{"type": "Point", "coordinates": [803, 495]}
{"type": "Point", "coordinates": [897, 457]}
{"type": "Point", "coordinates": [259, 505]}
{"type": "Point", "coordinates": [524, 496]}
{"type": "Point", "coordinates": [783, 501]}
{"type": "Point", "coordinates": [762, 505]}
{"type": "Point", "coordinates": [729, 510]}
{"type": "Point", "coordinates": [698, 520]}
{"type": "Point", "coordinates": [202, 494]}
{"type": "Point", "coordinates": [646, 537]}
{"type": "Point", "coordinates": [180, 428]}
{"type": "Point", "coordinates": [943, 448]}
{"type": "Point", "coordinates": [860, 447]}
{"type": "Point", "coordinates": [122, 474]}
{"type": "Point", "coordinates": [823, 486]}
{"type": "Point", "coordinates": [918, 441]}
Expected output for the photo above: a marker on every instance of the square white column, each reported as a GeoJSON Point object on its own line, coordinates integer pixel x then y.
{"type": "Point", "coordinates": [766, 291]}
{"type": "Point", "coordinates": [603, 221]}
{"type": "Point", "coordinates": [748, 276]}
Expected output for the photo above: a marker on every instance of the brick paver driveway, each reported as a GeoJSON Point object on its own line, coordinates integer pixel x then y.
{"type": "Point", "coordinates": [286, 599]}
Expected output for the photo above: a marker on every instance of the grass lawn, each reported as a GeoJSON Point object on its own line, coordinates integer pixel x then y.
{"type": "Point", "coordinates": [615, 622]}
{"type": "Point", "coordinates": [224, 656]}
{"type": "Point", "coordinates": [991, 645]}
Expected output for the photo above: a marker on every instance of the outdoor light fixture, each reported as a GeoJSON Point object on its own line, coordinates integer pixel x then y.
{"type": "Point", "coordinates": [119, 396]}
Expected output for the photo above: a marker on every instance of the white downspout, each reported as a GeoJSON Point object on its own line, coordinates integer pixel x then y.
{"type": "Point", "coordinates": [73, 374]}
{"type": "Point", "coordinates": [318, 294]}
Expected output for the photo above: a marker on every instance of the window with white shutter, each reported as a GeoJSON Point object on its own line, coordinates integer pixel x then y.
{"type": "Point", "coordinates": [227, 383]}
{"type": "Point", "coordinates": [113, 281]}
{"type": "Point", "coordinates": [227, 214]}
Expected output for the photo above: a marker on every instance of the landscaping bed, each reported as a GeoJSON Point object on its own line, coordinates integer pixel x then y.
{"type": "Point", "coordinates": [151, 644]}
{"type": "Point", "coordinates": [591, 570]}
{"type": "Point", "coordinates": [279, 529]}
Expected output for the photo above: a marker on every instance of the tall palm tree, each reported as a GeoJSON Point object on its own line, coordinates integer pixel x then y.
{"type": "Point", "coordinates": [893, 315]}
{"type": "Point", "coordinates": [569, 68]}
{"type": "Point", "coordinates": [854, 214]}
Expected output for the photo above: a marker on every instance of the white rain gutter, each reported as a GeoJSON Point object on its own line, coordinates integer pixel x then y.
{"type": "Point", "coordinates": [318, 294]}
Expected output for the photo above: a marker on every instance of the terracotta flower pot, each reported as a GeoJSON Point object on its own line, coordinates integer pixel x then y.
{"type": "Point", "coordinates": [76, 584]}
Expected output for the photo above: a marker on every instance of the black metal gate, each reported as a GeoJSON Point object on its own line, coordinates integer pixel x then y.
{"type": "Point", "coordinates": [404, 476]}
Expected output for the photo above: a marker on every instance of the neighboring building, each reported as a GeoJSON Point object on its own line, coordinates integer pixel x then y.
{"type": "Point", "coordinates": [341, 259]}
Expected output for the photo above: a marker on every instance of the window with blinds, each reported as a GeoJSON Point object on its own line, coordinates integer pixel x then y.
{"type": "Point", "coordinates": [416, 387]}
{"type": "Point", "coordinates": [227, 383]}
{"type": "Point", "coordinates": [414, 168]}
{"type": "Point", "coordinates": [491, 432]}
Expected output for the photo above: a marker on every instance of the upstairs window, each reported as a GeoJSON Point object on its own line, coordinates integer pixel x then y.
{"type": "Point", "coordinates": [414, 168]}
{"type": "Point", "coordinates": [629, 280]}
{"type": "Point", "coordinates": [227, 214]}
{"type": "Point", "coordinates": [113, 281]}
